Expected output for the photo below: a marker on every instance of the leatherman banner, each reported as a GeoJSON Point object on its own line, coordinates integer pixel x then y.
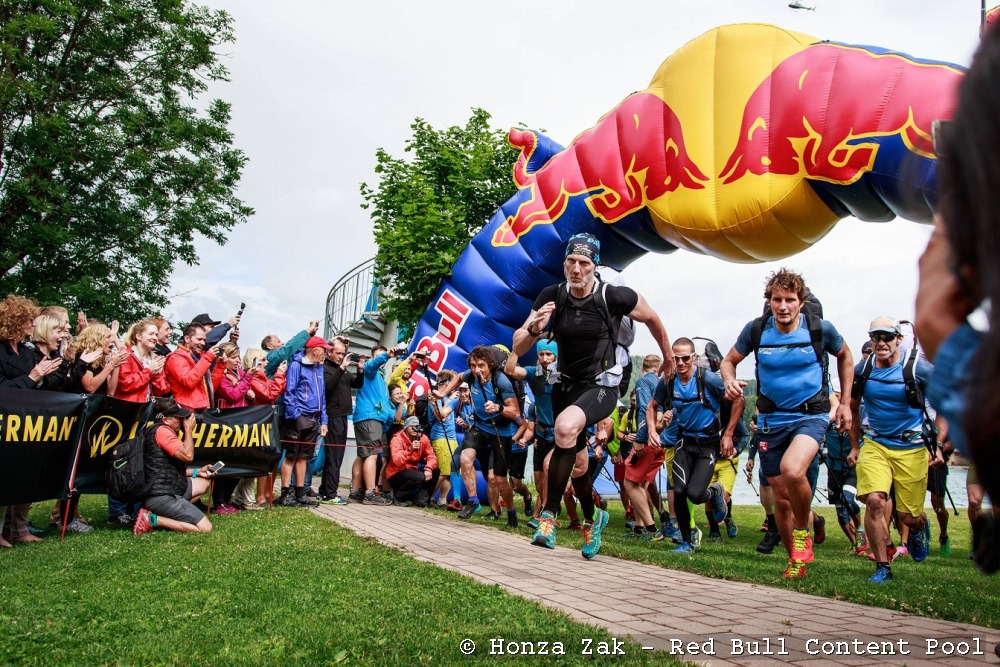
{"type": "Point", "coordinates": [245, 439]}
{"type": "Point", "coordinates": [39, 431]}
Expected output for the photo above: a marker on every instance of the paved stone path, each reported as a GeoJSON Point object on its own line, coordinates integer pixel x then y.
{"type": "Point", "coordinates": [677, 607]}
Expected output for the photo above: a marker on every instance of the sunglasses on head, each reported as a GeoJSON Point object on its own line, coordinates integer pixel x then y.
{"type": "Point", "coordinates": [685, 357]}
{"type": "Point", "coordinates": [882, 336]}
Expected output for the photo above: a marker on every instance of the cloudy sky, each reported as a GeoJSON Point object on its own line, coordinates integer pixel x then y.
{"type": "Point", "coordinates": [318, 86]}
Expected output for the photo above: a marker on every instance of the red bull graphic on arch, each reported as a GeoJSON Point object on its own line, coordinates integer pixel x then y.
{"type": "Point", "coordinates": [749, 144]}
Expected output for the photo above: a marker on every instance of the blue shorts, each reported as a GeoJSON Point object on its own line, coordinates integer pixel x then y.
{"type": "Point", "coordinates": [773, 444]}
{"type": "Point", "coordinates": [812, 474]}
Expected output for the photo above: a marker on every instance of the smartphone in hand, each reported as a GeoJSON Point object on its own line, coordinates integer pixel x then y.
{"type": "Point", "coordinates": [216, 467]}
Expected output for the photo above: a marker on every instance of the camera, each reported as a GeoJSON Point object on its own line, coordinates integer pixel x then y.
{"type": "Point", "coordinates": [354, 357]}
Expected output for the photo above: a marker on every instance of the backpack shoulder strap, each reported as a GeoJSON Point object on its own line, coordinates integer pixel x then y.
{"type": "Point", "coordinates": [601, 300]}
{"type": "Point", "coordinates": [914, 395]}
{"type": "Point", "coordinates": [699, 378]}
{"type": "Point", "coordinates": [562, 293]}
{"type": "Point", "coordinates": [815, 325]}
{"type": "Point", "coordinates": [756, 331]}
{"type": "Point", "coordinates": [861, 379]}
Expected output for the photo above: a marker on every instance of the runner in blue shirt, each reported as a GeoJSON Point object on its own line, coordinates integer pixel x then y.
{"type": "Point", "coordinates": [793, 402]}
{"type": "Point", "coordinates": [894, 454]}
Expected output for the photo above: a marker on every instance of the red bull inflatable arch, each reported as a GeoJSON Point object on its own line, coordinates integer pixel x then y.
{"type": "Point", "coordinates": [749, 144]}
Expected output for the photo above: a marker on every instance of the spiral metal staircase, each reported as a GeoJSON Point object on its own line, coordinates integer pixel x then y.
{"type": "Point", "coordinates": [352, 310]}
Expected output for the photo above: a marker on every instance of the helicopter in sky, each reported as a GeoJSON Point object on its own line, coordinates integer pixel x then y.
{"type": "Point", "coordinates": [798, 5]}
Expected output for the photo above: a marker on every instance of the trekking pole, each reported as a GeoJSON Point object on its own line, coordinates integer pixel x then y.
{"type": "Point", "coordinates": [749, 480]}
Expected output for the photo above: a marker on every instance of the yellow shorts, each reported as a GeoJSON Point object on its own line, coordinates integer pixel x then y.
{"type": "Point", "coordinates": [725, 474]}
{"type": "Point", "coordinates": [668, 461]}
{"type": "Point", "coordinates": [443, 453]}
{"type": "Point", "coordinates": [880, 467]}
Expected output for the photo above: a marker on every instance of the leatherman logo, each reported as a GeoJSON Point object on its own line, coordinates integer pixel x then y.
{"type": "Point", "coordinates": [104, 434]}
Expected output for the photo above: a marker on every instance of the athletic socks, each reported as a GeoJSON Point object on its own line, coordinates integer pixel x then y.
{"type": "Point", "coordinates": [583, 487]}
{"type": "Point", "coordinates": [152, 519]}
{"type": "Point", "coordinates": [772, 525]}
{"type": "Point", "coordinates": [651, 528]}
{"type": "Point", "coordinates": [560, 468]}
{"type": "Point", "coordinates": [473, 500]}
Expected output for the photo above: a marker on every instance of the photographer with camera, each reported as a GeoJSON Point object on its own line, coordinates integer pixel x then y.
{"type": "Point", "coordinates": [408, 449]}
{"type": "Point", "coordinates": [339, 383]}
{"type": "Point", "coordinates": [172, 486]}
{"type": "Point", "coordinates": [372, 413]}
{"type": "Point", "coordinates": [278, 352]}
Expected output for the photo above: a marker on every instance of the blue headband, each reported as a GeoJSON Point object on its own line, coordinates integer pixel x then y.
{"type": "Point", "coordinates": [586, 245]}
{"type": "Point", "coordinates": [546, 345]}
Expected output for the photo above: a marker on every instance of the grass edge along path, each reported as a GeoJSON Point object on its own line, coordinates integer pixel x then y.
{"type": "Point", "coordinates": [281, 586]}
{"type": "Point", "coordinates": [947, 588]}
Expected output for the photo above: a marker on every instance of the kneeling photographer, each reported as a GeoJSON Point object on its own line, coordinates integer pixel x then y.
{"type": "Point", "coordinates": [408, 449]}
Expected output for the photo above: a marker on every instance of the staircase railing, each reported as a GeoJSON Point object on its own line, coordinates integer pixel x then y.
{"type": "Point", "coordinates": [354, 297]}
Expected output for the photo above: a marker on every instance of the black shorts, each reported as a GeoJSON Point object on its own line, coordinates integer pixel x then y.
{"type": "Point", "coordinates": [302, 432]}
{"type": "Point", "coordinates": [836, 480]}
{"type": "Point", "coordinates": [542, 449]}
{"type": "Point", "coordinates": [518, 461]}
{"type": "Point", "coordinates": [597, 402]}
{"type": "Point", "coordinates": [489, 445]}
{"type": "Point", "coordinates": [937, 480]}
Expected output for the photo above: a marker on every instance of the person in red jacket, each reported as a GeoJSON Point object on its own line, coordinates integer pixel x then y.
{"type": "Point", "coordinates": [407, 450]}
{"type": "Point", "coordinates": [188, 370]}
{"type": "Point", "coordinates": [141, 376]}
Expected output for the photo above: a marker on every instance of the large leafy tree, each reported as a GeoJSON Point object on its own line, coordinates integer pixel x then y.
{"type": "Point", "coordinates": [110, 169]}
{"type": "Point", "coordinates": [427, 207]}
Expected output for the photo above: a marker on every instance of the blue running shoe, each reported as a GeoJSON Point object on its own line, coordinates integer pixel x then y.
{"type": "Point", "coordinates": [919, 543]}
{"type": "Point", "coordinates": [668, 532]}
{"type": "Point", "coordinates": [592, 534]}
{"type": "Point", "coordinates": [545, 536]}
{"type": "Point", "coordinates": [719, 509]}
{"type": "Point", "coordinates": [731, 528]}
{"type": "Point", "coordinates": [684, 548]}
{"type": "Point", "coordinates": [882, 575]}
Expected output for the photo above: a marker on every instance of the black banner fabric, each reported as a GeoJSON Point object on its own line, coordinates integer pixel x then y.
{"type": "Point", "coordinates": [245, 439]}
{"type": "Point", "coordinates": [39, 431]}
{"type": "Point", "coordinates": [109, 421]}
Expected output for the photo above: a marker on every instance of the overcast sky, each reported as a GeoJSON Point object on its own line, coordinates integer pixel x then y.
{"type": "Point", "coordinates": [318, 86]}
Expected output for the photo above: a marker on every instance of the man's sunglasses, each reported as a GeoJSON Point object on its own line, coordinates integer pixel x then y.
{"type": "Point", "coordinates": [685, 357]}
{"type": "Point", "coordinates": [882, 337]}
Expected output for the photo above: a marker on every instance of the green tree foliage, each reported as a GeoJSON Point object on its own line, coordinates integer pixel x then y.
{"type": "Point", "coordinates": [427, 208]}
{"type": "Point", "coordinates": [109, 169]}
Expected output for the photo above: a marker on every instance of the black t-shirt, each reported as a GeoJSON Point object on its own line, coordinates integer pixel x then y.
{"type": "Point", "coordinates": [580, 329]}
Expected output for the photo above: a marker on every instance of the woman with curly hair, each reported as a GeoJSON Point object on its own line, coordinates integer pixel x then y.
{"type": "Point", "coordinates": [97, 363]}
{"type": "Point", "coordinates": [19, 370]}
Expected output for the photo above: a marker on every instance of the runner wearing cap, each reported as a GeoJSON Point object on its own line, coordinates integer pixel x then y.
{"type": "Point", "coordinates": [893, 455]}
{"type": "Point", "coordinates": [408, 450]}
{"type": "Point", "coordinates": [582, 315]}
{"type": "Point", "coordinates": [305, 419]}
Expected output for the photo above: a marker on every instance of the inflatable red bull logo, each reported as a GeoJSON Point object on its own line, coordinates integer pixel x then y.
{"type": "Point", "coordinates": [749, 144]}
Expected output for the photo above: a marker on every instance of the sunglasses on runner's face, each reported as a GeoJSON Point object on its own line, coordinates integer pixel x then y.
{"type": "Point", "coordinates": [685, 357]}
{"type": "Point", "coordinates": [882, 336]}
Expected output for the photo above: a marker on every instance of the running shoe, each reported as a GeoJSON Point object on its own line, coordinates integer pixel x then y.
{"type": "Point", "coordinates": [882, 575]}
{"type": "Point", "coordinates": [533, 523]}
{"type": "Point", "coordinates": [142, 522]}
{"type": "Point", "coordinates": [630, 526]}
{"type": "Point", "coordinates": [768, 542]}
{"type": "Point", "coordinates": [77, 526]}
{"type": "Point", "coordinates": [890, 553]}
{"type": "Point", "coordinates": [648, 537]}
{"type": "Point", "coordinates": [819, 529]}
{"type": "Point", "coordinates": [802, 546]}
{"type": "Point", "coordinates": [492, 515]}
{"type": "Point", "coordinates": [944, 546]}
{"type": "Point", "coordinates": [455, 505]}
{"type": "Point", "coordinates": [355, 496]}
{"type": "Point", "coordinates": [380, 499]}
{"type": "Point", "coordinates": [121, 521]}
{"type": "Point", "coordinates": [512, 519]}
{"type": "Point", "coordinates": [719, 509]}
{"type": "Point", "coordinates": [731, 528]}
{"type": "Point", "coordinates": [899, 552]}
{"type": "Point", "coordinates": [545, 534]}
{"type": "Point", "coordinates": [795, 570]}
{"type": "Point", "coordinates": [715, 536]}
{"type": "Point", "coordinates": [684, 548]}
{"type": "Point", "coordinates": [696, 538]}
{"type": "Point", "coordinates": [919, 543]}
{"type": "Point", "coordinates": [592, 534]}
{"type": "Point", "coordinates": [668, 532]}
{"type": "Point", "coordinates": [469, 510]}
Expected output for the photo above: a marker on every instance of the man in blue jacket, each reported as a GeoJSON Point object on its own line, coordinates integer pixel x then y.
{"type": "Point", "coordinates": [304, 420]}
{"type": "Point", "coordinates": [372, 410]}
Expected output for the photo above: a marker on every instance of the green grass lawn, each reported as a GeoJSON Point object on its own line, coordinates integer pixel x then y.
{"type": "Point", "coordinates": [947, 588]}
{"type": "Point", "coordinates": [277, 587]}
